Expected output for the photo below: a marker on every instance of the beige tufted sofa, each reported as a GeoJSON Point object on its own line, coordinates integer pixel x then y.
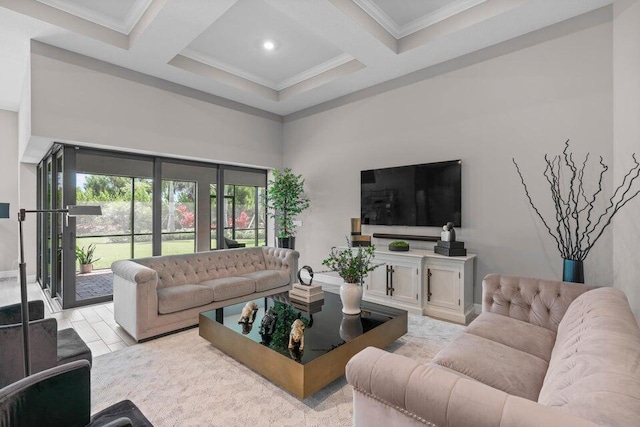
{"type": "Point", "coordinates": [542, 353]}
{"type": "Point", "coordinates": [152, 296]}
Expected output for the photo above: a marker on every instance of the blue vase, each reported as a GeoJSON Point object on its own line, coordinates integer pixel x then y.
{"type": "Point", "coordinates": [573, 271]}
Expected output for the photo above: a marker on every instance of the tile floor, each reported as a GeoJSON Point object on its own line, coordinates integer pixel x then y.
{"type": "Point", "coordinates": [95, 324]}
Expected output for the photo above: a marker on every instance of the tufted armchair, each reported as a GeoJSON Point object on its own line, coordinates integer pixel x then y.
{"type": "Point", "coordinates": [542, 353]}
{"type": "Point", "coordinates": [153, 296]}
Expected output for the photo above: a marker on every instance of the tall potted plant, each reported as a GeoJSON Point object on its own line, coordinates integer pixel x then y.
{"type": "Point", "coordinates": [578, 224]}
{"type": "Point", "coordinates": [353, 266]}
{"type": "Point", "coordinates": [286, 200]}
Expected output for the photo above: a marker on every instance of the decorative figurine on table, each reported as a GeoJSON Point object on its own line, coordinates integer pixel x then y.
{"type": "Point", "coordinates": [246, 328]}
{"type": "Point", "coordinates": [249, 312]}
{"type": "Point", "coordinates": [448, 234]}
{"type": "Point", "coordinates": [268, 326]}
{"type": "Point", "coordinates": [296, 354]}
{"type": "Point", "coordinates": [296, 337]}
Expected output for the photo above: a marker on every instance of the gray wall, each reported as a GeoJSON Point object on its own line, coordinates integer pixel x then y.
{"type": "Point", "coordinates": [9, 190]}
{"type": "Point", "coordinates": [524, 101]}
{"type": "Point", "coordinates": [78, 99]}
{"type": "Point", "coordinates": [626, 131]}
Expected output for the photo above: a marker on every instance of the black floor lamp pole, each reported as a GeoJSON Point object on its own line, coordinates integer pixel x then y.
{"type": "Point", "coordinates": [24, 299]}
{"type": "Point", "coordinates": [22, 213]}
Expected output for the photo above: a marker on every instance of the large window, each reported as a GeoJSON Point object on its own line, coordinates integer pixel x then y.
{"type": "Point", "coordinates": [245, 219]}
{"type": "Point", "coordinates": [178, 217]}
{"type": "Point", "coordinates": [124, 230]}
{"type": "Point", "coordinates": [150, 206]}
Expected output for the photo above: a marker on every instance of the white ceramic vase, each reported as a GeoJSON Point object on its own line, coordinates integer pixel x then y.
{"type": "Point", "coordinates": [351, 297]}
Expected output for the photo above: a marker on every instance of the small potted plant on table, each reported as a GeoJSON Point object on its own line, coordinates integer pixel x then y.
{"type": "Point", "coordinates": [353, 266]}
{"type": "Point", "coordinates": [86, 258]}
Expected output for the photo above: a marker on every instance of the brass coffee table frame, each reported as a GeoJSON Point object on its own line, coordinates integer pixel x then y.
{"type": "Point", "coordinates": [301, 380]}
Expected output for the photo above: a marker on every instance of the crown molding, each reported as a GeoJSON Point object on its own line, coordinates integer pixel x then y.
{"type": "Point", "coordinates": [124, 27]}
{"type": "Point", "coordinates": [371, 8]}
{"type": "Point", "coordinates": [315, 71]}
{"type": "Point", "coordinates": [288, 82]}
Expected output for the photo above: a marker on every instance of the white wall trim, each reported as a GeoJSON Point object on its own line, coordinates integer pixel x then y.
{"type": "Point", "coordinates": [122, 26]}
{"type": "Point", "coordinates": [8, 273]}
{"type": "Point", "coordinates": [477, 308]}
{"type": "Point", "coordinates": [329, 283]}
{"type": "Point", "coordinates": [397, 31]}
{"type": "Point", "coordinates": [277, 86]}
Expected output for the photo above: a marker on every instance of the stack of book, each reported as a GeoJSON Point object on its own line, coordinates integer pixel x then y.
{"type": "Point", "coordinates": [309, 299]}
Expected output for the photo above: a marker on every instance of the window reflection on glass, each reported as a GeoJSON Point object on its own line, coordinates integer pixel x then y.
{"type": "Point", "coordinates": [178, 217]}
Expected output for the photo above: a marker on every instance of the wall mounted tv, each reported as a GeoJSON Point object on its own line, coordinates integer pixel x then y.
{"type": "Point", "coordinates": [417, 195]}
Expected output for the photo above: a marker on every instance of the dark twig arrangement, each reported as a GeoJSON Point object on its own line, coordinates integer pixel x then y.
{"type": "Point", "coordinates": [578, 227]}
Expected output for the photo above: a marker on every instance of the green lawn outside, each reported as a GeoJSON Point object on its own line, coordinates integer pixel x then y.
{"type": "Point", "coordinates": [108, 252]}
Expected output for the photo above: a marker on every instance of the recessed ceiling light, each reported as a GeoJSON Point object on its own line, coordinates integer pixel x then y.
{"type": "Point", "coordinates": [268, 45]}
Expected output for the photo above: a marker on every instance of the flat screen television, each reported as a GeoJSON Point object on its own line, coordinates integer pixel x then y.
{"type": "Point", "coordinates": [428, 194]}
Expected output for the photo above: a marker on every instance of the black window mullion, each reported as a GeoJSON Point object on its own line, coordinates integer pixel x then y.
{"type": "Point", "coordinates": [131, 216]}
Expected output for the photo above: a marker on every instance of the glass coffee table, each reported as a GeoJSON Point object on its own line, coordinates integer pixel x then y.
{"type": "Point", "coordinates": [330, 338]}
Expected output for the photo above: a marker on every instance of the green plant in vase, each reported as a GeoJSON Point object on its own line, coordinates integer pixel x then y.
{"type": "Point", "coordinates": [286, 200]}
{"type": "Point", "coordinates": [353, 266]}
{"type": "Point", "coordinates": [86, 258]}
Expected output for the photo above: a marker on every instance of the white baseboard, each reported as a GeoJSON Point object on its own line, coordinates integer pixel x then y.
{"type": "Point", "coordinates": [14, 274]}
{"type": "Point", "coordinates": [477, 308]}
{"type": "Point", "coordinates": [329, 283]}
{"type": "Point", "coordinates": [8, 273]}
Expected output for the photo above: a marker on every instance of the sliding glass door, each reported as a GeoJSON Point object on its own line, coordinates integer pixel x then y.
{"type": "Point", "coordinates": [150, 206]}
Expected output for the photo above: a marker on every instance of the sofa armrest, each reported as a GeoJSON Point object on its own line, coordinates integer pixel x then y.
{"type": "Point", "coordinates": [135, 296]}
{"type": "Point", "coordinates": [133, 272]}
{"type": "Point", "coordinates": [536, 301]}
{"type": "Point", "coordinates": [282, 259]}
{"type": "Point", "coordinates": [433, 395]}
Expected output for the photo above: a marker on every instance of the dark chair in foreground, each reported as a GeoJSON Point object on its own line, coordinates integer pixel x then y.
{"type": "Point", "coordinates": [48, 348]}
{"type": "Point", "coordinates": [61, 397]}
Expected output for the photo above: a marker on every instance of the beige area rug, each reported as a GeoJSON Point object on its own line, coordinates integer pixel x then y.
{"type": "Point", "coordinates": [182, 380]}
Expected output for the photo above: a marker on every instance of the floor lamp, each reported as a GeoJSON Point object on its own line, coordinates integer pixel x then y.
{"type": "Point", "coordinates": [69, 211]}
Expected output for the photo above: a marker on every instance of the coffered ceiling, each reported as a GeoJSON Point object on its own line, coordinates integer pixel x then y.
{"type": "Point", "coordinates": [321, 49]}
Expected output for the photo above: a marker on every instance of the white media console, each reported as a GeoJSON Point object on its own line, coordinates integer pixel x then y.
{"type": "Point", "coordinates": [423, 282]}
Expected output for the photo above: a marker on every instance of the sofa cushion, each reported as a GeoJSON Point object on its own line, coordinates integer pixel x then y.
{"type": "Point", "coordinates": [514, 333]}
{"type": "Point", "coordinates": [268, 279]}
{"type": "Point", "coordinates": [502, 367]}
{"type": "Point", "coordinates": [230, 287]}
{"type": "Point", "coordinates": [183, 297]}
{"type": "Point", "coordinates": [594, 370]}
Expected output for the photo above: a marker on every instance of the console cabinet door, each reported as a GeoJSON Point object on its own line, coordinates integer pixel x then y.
{"type": "Point", "coordinates": [405, 282]}
{"type": "Point", "coordinates": [443, 287]}
{"type": "Point", "coordinates": [376, 284]}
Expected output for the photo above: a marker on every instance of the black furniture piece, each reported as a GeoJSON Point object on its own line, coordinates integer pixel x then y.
{"type": "Point", "coordinates": [49, 347]}
{"type": "Point", "coordinates": [61, 397]}
{"type": "Point", "coordinates": [232, 244]}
